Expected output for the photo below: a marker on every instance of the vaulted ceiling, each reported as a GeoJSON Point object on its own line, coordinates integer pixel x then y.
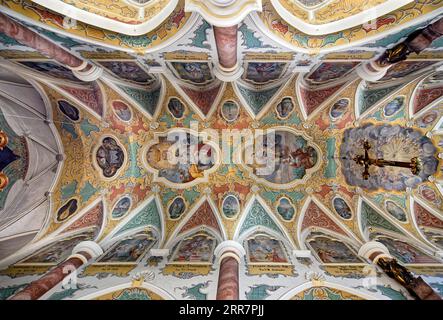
{"type": "Point", "coordinates": [87, 158]}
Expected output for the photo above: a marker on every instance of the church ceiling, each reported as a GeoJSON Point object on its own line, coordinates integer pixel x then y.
{"type": "Point", "coordinates": [115, 184]}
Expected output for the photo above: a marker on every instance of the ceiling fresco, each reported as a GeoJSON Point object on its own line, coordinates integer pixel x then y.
{"type": "Point", "coordinates": [103, 147]}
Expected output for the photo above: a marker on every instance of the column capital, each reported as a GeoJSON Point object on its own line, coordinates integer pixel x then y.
{"type": "Point", "coordinates": [228, 75]}
{"type": "Point", "coordinates": [229, 248]}
{"type": "Point", "coordinates": [223, 13]}
{"type": "Point", "coordinates": [373, 251]}
{"type": "Point", "coordinates": [92, 248]}
{"type": "Point", "coordinates": [89, 74]}
{"type": "Point", "coordinates": [371, 71]}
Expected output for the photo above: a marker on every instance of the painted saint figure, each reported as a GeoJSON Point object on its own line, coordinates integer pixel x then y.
{"type": "Point", "coordinates": [285, 107]}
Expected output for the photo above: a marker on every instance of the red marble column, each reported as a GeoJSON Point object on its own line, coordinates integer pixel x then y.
{"type": "Point", "coordinates": [81, 254]}
{"type": "Point", "coordinates": [38, 288]}
{"type": "Point", "coordinates": [82, 69]}
{"type": "Point", "coordinates": [33, 40]}
{"type": "Point", "coordinates": [228, 284]}
{"type": "Point", "coordinates": [226, 41]}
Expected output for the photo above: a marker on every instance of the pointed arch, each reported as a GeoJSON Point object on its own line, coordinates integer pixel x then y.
{"type": "Point", "coordinates": [316, 215]}
{"type": "Point", "coordinates": [204, 214]}
{"type": "Point", "coordinates": [258, 216]}
{"type": "Point", "coordinates": [149, 214]}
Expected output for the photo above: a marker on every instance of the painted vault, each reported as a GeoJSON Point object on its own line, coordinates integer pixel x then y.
{"type": "Point", "coordinates": [91, 94]}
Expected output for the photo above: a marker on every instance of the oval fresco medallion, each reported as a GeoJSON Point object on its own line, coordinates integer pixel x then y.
{"type": "Point", "coordinates": [109, 157]}
{"type": "Point", "coordinates": [176, 108]}
{"type": "Point", "coordinates": [342, 208]}
{"type": "Point", "coordinates": [230, 206]}
{"type": "Point", "coordinates": [394, 106]}
{"type": "Point", "coordinates": [122, 110]}
{"type": "Point", "coordinates": [230, 111]}
{"type": "Point", "coordinates": [429, 194]}
{"type": "Point", "coordinates": [339, 108]}
{"type": "Point", "coordinates": [121, 207]}
{"type": "Point", "coordinates": [67, 210]}
{"type": "Point", "coordinates": [395, 210]}
{"type": "Point", "coordinates": [69, 110]}
{"type": "Point", "coordinates": [176, 208]}
{"type": "Point", "coordinates": [285, 108]}
{"type": "Point", "coordinates": [285, 209]}
{"type": "Point", "coordinates": [427, 119]}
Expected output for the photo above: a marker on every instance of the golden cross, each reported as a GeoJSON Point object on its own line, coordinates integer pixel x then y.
{"type": "Point", "coordinates": [367, 161]}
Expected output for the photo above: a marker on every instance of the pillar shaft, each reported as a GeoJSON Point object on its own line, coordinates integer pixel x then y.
{"type": "Point", "coordinates": [38, 288]}
{"type": "Point", "coordinates": [228, 285]}
{"type": "Point", "coordinates": [81, 254]}
{"type": "Point", "coordinates": [226, 41]}
{"type": "Point", "coordinates": [33, 40]}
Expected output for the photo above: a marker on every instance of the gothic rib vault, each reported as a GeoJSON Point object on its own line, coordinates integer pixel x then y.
{"type": "Point", "coordinates": [89, 94]}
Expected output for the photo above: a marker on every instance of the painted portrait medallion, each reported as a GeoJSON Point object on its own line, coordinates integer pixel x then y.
{"type": "Point", "coordinates": [395, 210]}
{"type": "Point", "coordinates": [394, 106]}
{"type": "Point", "coordinates": [427, 119]}
{"type": "Point", "coordinates": [342, 208]}
{"type": "Point", "coordinates": [122, 110]}
{"type": "Point", "coordinates": [67, 210]}
{"type": "Point", "coordinates": [230, 111]}
{"type": "Point", "coordinates": [121, 207]}
{"type": "Point", "coordinates": [230, 206]}
{"type": "Point", "coordinates": [339, 108]}
{"type": "Point", "coordinates": [176, 208]}
{"type": "Point", "coordinates": [285, 108]}
{"type": "Point", "coordinates": [68, 110]}
{"type": "Point", "coordinates": [285, 209]}
{"type": "Point", "coordinates": [176, 108]}
{"type": "Point", "coordinates": [429, 195]}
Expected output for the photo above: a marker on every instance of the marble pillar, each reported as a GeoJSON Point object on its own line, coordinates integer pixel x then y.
{"type": "Point", "coordinates": [81, 254]}
{"type": "Point", "coordinates": [378, 254]}
{"type": "Point", "coordinates": [229, 254]}
{"type": "Point", "coordinates": [228, 68]}
{"type": "Point", "coordinates": [81, 68]}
